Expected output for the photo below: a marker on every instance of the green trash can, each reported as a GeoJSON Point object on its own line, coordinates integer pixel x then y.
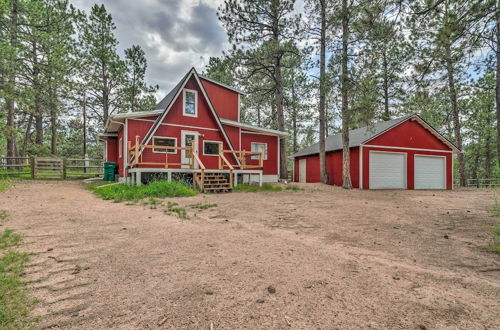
{"type": "Point", "coordinates": [110, 169]}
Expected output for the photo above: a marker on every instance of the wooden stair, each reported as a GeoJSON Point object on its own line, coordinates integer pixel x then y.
{"type": "Point", "coordinates": [216, 183]}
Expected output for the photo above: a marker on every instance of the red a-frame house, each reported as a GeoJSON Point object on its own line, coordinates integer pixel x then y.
{"type": "Point", "coordinates": [195, 132]}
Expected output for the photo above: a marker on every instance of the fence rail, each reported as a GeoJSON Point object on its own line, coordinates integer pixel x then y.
{"type": "Point", "coordinates": [44, 167]}
{"type": "Point", "coordinates": [478, 183]}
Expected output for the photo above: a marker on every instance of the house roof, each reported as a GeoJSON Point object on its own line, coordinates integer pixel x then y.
{"type": "Point", "coordinates": [221, 84]}
{"type": "Point", "coordinates": [362, 135]}
{"type": "Point", "coordinates": [253, 128]}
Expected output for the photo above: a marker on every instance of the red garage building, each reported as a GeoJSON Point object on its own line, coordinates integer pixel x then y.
{"type": "Point", "coordinates": [404, 153]}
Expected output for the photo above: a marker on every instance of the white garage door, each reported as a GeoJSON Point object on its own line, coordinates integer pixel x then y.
{"type": "Point", "coordinates": [430, 172]}
{"type": "Point", "coordinates": [387, 170]}
{"type": "Point", "coordinates": [302, 170]}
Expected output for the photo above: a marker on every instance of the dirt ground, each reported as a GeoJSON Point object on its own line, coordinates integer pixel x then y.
{"type": "Point", "coordinates": [321, 258]}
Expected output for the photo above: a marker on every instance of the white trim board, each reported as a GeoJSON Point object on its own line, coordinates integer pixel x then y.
{"type": "Point", "coordinates": [404, 148]}
{"type": "Point", "coordinates": [182, 126]}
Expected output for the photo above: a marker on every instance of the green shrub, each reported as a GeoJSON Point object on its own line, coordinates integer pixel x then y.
{"type": "Point", "coordinates": [252, 188]}
{"type": "Point", "coordinates": [496, 230]}
{"type": "Point", "coordinates": [158, 189]}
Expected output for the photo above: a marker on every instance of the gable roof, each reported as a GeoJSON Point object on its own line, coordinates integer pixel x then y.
{"type": "Point", "coordinates": [362, 135]}
{"type": "Point", "coordinates": [221, 84]}
{"type": "Point", "coordinates": [166, 105]}
{"type": "Point", "coordinates": [253, 128]}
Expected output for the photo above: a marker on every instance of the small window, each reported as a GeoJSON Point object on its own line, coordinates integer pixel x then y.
{"type": "Point", "coordinates": [211, 148]}
{"type": "Point", "coordinates": [164, 142]}
{"type": "Point", "coordinates": [259, 147]}
{"type": "Point", "coordinates": [120, 148]}
{"type": "Point", "coordinates": [190, 103]}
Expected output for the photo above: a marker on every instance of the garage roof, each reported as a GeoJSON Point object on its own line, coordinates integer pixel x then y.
{"type": "Point", "coordinates": [361, 135]}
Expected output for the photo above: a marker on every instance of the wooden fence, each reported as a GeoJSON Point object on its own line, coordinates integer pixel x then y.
{"type": "Point", "coordinates": [50, 168]}
{"type": "Point", "coordinates": [479, 183]}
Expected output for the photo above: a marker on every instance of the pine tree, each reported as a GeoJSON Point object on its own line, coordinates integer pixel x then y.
{"type": "Point", "coordinates": [269, 27]}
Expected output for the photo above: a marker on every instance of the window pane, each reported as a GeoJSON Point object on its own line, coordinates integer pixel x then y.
{"type": "Point", "coordinates": [164, 142]}
{"type": "Point", "coordinates": [190, 103]}
{"type": "Point", "coordinates": [259, 147]}
{"type": "Point", "coordinates": [211, 148]}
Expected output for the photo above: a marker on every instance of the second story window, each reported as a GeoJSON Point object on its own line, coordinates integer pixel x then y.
{"type": "Point", "coordinates": [190, 107]}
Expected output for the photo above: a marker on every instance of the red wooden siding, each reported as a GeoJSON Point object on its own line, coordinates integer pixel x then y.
{"type": "Point", "coordinates": [111, 149]}
{"type": "Point", "coordinates": [409, 134]}
{"type": "Point", "coordinates": [271, 164]}
{"type": "Point", "coordinates": [121, 170]}
{"type": "Point", "coordinates": [333, 167]}
{"type": "Point", "coordinates": [224, 100]}
{"type": "Point", "coordinates": [403, 138]}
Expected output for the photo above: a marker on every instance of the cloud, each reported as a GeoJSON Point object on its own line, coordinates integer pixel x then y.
{"type": "Point", "coordinates": [175, 34]}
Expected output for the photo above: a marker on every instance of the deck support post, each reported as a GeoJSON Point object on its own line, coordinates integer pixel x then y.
{"type": "Point", "coordinates": [138, 178]}
{"type": "Point", "coordinates": [235, 182]}
{"type": "Point", "coordinates": [169, 176]}
{"type": "Point", "coordinates": [260, 179]}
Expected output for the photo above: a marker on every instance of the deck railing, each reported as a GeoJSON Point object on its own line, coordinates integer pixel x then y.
{"type": "Point", "coordinates": [241, 156]}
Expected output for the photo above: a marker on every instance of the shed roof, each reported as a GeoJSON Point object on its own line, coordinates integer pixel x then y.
{"type": "Point", "coordinates": [361, 135]}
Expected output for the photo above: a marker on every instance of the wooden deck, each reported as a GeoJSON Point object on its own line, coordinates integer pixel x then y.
{"type": "Point", "coordinates": [201, 174]}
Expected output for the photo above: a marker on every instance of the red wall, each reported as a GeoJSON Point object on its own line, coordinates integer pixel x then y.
{"type": "Point", "coordinates": [205, 124]}
{"type": "Point", "coordinates": [333, 168]}
{"type": "Point", "coordinates": [410, 168]}
{"type": "Point", "coordinates": [409, 134]}
{"type": "Point", "coordinates": [121, 170]}
{"type": "Point", "coordinates": [271, 164]}
{"type": "Point", "coordinates": [111, 149]}
{"type": "Point", "coordinates": [224, 100]}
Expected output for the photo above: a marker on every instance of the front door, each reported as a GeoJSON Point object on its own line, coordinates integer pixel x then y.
{"type": "Point", "coordinates": [189, 138]}
{"type": "Point", "coordinates": [302, 170]}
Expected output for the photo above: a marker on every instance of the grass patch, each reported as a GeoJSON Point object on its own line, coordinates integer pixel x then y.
{"type": "Point", "coordinates": [252, 188]}
{"type": "Point", "coordinates": [202, 206]}
{"type": "Point", "coordinates": [157, 189]}
{"type": "Point", "coordinates": [4, 214]}
{"type": "Point", "coordinates": [496, 230]}
{"type": "Point", "coordinates": [293, 188]}
{"type": "Point", "coordinates": [14, 301]}
{"type": "Point", "coordinates": [9, 239]}
{"type": "Point", "coordinates": [172, 207]}
{"type": "Point", "coordinates": [5, 184]}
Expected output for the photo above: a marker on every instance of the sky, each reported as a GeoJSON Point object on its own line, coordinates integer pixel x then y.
{"type": "Point", "coordinates": [175, 34]}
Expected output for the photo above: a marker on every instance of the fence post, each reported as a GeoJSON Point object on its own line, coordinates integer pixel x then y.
{"type": "Point", "coordinates": [32, 167]}
{"type": "Point", "coordinates": [64, 168]}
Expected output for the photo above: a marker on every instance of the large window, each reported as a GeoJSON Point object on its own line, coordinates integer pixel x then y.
{"type": "Point", "coordinates": [190, 103]}
{"type": "Point", "coordinates": [211, 148]}
{"type": "Point", "coordinates": [164, 142]}
{"type": "Point", "coordinates": [259, 147]}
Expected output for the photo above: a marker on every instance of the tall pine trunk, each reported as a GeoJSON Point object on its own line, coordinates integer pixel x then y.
{"type": "Point", "coordinates": [455, 113]}
{"type": "Point", "coordinates": [38, 105]}
{"type": "Point", "coordinates": [10, 103]}
{"type": "Point", "coordinates": [322, 96]}
{"type": "Point", "coordinates": [497, 83]}
{"type": "Point", "coordinates": [344, 89]}
{"type": "Point", "coordinates": [278, 98]}
{"type": "Point", "coordinates": [387, 114]}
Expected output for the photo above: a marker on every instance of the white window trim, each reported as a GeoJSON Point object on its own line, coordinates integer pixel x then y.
{"type": "Point", "coordinates": [165, 152]}
{"type": "Point", "coordinates": [120, 148]}
{"type": "Point", "coordinates": [264, 154]}
{"type": "Point", "coordinates": [195, 102]}
{"type": "Point", "coordinates": [210, 141]}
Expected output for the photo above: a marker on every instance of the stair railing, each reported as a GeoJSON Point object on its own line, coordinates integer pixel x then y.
{"type": "Point", "coordinates": [201, 182]}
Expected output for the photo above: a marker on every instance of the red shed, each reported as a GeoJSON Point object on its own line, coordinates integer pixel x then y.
{"type": "Point", "coordinates": [404, 153]}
